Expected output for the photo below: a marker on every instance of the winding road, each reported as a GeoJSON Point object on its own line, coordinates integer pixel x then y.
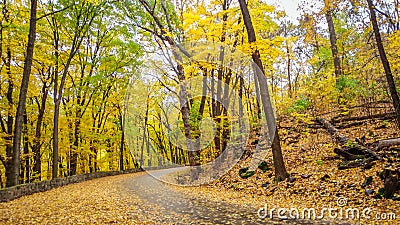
{"type": "Point", "coordinates": [194, 210]}
{"type": "Point", "coordinates": [138, 198]}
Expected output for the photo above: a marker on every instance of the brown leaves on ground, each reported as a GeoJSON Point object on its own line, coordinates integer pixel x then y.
{"type": "Point", "coordinates": [318, 183]}
{"type": "Point", "coordinates": [309, 158]}
{"type": "Point", "coordinates": [99, 201]}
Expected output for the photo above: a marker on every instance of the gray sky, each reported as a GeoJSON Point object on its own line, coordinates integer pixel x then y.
{"type": "Point", "coordinates": [290, 6]}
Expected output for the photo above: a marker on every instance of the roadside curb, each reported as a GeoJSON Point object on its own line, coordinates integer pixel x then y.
{"type": "Point", "coordinates": [11, 193]}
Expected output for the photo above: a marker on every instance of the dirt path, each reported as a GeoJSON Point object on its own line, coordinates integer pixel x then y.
{"type": "Point", "coordinates": [193, 209]}
{"type": "Point", "coordinates": [126, 199]}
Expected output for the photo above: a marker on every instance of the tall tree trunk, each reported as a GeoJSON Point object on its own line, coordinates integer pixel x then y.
{"type": "Point", "coordinates": [58, 93]}
{"type": "Point", "coordinates": [201, 113]}
{"type": "Point", "coordinates": [184, 104]}
{"type": "Point", "coordinates": [149, 162]}
{"type": "Point", "coordinates": [141, 161]}
{"type": "Point", "coordinates": [91, 156]}
{"type": "Point", "coordinates": [38, 134]}
{"type": "Point", "coordinates": [26, 150]}
{"type": "Point", "coordinates": [224, 122]}
{"type": "Point", "coordinates": [121, 149]}
{"type": "Point", "coordinates": [172, 148]}
{"type": "Point", "coordinates": [56, 103]}
{"type": "Point", "coordinates": [75, 149]}
{"type": "Point", "coordinates": [22, 95]}
{"type": "Point", "coordinates": [10, 122]}
{"type": "Point", "coordinates": [333, 39]}
{"type": "Point", "coordinates": [257, 103]}
{"type": "Point", "coordinates": [122, 141]}
{"type": "Point", "coordinates": [241, 110]}
{"type": "Point", "coordinates": [280, 170]}
{"type": "Point", "coordinates": [385, 62]}
{"type": "Point", "coordinates": [55, 132]}
{"type": "Point", "coordinates": [217, 106]}
{"type": "Point", "coordinates": [288, 68]}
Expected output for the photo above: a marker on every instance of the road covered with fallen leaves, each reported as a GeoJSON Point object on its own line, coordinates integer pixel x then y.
{"type": "Point", "coordinates": [127, 199]}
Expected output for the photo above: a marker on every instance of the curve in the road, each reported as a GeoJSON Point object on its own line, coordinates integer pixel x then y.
{"type": "Point", "coordinates": [195, 210]}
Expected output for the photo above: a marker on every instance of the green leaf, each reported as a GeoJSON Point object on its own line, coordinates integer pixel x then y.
{"type": "Point", "coordinates": [263, 166]}
{"type": "Point", "coordinates": [245, 173]}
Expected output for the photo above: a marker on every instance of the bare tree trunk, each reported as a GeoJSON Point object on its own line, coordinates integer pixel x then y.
{"type": "Point", "coordinates": [241, 110]}
{"type": "Point", "coordinates": [56, 103]}
{"type": "Point", "coordinates": [257, 103]}
{"type": "Point", "coordinates": [217, 106]}
{"type": "Point", "coordinates": [55, 132]}
{"type": "Point", "coordinates": [201, 111]}
{"type": "Point", "coordinates": [26, 150]}
{"type": "Point", "coordinates": [141, 161]}
{"type": "Point", "coordinates": [149, 161]}
{"type": "Point", "coordinates": [10, 121]}
{"type": "Point", "coordinates": [184, 104]}
{"type": "Point", "coordinates": [38, 134]}
{"type": "Point", "coordinates": [122, 144]}
{"type": "Point", "coordinates": [22, 95]}
{"type": "Point", "coordinates": [58, 93]}
{"type": "Point", "coordinates": [289, 61]}
{"type": "Point", "coordinates": [385, 62]}
{"type": "Point", "coordinates": [91, 157]}
{"type": "Point", "coordinates": [74, 156]}
{"type": "Point", "coordinates": [333, 40]}
{"type": "Point", "coordinates": [280, 170]}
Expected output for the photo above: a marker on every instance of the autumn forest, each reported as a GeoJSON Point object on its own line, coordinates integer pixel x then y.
{"type": "Point", "coordinates": [240, 97]}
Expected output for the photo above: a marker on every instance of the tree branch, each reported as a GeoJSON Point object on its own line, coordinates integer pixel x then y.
{"type": "Point", "coordinates": [387, 16]}
{"type": "Point", "coordinates": [54, 12]}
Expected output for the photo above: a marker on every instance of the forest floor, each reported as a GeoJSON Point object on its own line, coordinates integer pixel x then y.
{"type": "Point", "coordinates": [98, 201]}
{"type": "Point", "coordinates": [315, 180]}
{"type": "Point", "coordinates": [128, 199]}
